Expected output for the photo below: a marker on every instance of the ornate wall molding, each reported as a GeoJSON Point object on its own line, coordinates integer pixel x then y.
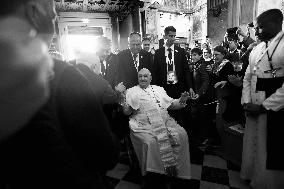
{"type": "Point", "coordinates": [92, 5]}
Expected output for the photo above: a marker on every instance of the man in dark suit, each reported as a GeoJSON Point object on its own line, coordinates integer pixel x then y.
{"type": "Point", "coordinates": [170, 68]}
{"type": "Point", "coordinates": [171, 71]}
{"type": "Point", "coordinates": [131, 60]}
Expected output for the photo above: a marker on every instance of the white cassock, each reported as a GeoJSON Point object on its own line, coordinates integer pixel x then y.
{"type": "Point", "coordinates": [151, 144]}
{"type": "Point", "coordinates": [254, 143]}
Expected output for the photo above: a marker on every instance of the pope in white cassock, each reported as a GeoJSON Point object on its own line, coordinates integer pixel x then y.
{"type": "Point", "coordinates": [263, 100]}
{"type": "Point", "coordinates": [161, 145]}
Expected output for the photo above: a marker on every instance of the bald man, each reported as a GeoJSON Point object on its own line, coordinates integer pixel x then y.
{"type": "Point", "coordinates": [160, 143]}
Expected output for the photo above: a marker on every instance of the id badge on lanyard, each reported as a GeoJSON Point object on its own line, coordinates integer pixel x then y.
{"type": "Point", "coordinates": [171, 77]}
{"type": "Point", "coordinates": [171, 73]}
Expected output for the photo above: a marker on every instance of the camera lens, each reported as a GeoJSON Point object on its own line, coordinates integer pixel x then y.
{"type": "Point", "coordinates": [250, 25]}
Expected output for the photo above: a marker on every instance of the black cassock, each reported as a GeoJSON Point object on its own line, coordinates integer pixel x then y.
{"type": "Point", "coordinates": [275, 125]}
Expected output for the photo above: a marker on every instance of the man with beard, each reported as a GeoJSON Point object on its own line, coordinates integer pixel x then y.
{"type": "Point", "coordinates": [263, 101]}
{"type": "Point", "coordinates": [68, 141]}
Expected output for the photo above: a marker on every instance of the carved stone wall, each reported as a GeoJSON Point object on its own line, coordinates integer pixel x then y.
{"type": "Point", "coordinates": [265, 5]}
{"type": "Point", "coordinates": [125, 28]}
{"type": "Point", "coordinates": [198, 21]}
{"type": "Point", "coordinates": [217, 25]}
{"type": "Point", "coordinates": [199, 27]}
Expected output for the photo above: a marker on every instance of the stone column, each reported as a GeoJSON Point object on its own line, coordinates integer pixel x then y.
{"type": "Point", "coordinates": [115, 31]}
{"type": "Point", "coordinates": [135, 16]}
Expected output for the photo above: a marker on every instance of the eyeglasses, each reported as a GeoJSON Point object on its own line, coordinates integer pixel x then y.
{"type": "Point", "coordinates": [216, 55]}
{"type": "Point", "coordinates": [231, 41]}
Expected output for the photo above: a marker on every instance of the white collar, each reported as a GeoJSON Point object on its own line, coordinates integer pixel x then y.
{"type": "Point", "coordinates": [133, 54]}
{"type": "Point", "coordinates": [145, 89]}
{"type": "Point", "coordinates": [233, 51]}
{"type": "Point", "coordinates": [258, 60]}
{"type": "Point", "coordinates": [172, 47]}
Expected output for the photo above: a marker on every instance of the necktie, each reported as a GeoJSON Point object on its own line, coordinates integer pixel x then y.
{"type": "Point", "coordinates": [170, 56]}
{"type": "Point", "coordinates": [135, 61]}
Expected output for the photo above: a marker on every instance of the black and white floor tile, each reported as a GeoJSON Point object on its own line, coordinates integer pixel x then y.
{"type": "Point", "coordinates": [209, 171]}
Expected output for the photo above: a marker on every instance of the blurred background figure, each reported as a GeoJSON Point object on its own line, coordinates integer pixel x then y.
{"type": "Point", "coordinates": [55, 146]}
{"type": "Point", "coordinates": [25, 71]}
{"type": "Point", "coordinates": [54, 52]}
{"type": "Point", "coordinates": [146, 43]}
{"type": "Point", "coordinates": [91, 60]}
{"type": "Point", "coordinates": [104, 53]}
{"type": "Point", "coordinates": [207, 55]}
{"type": "Point", "coordinates": [204, 46]}
{"type": "Point", "coordinates": [187, 51]}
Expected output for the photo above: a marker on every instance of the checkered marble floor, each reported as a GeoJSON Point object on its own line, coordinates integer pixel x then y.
{"type": "Point", "coordinates": [209, 171]}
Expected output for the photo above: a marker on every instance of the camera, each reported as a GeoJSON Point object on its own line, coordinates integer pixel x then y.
{"type": "Point", "coordinates": [231, 31]}
{"type": "Point", "coordinates": [250, 25]}
{"type": "Point", "coordinates": [231, 34]}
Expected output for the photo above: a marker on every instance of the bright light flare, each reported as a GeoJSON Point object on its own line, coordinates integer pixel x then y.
{"type": "Point", "coordinates": [81, 43]}
{"type": "Point", "coordinates": [85, 20]}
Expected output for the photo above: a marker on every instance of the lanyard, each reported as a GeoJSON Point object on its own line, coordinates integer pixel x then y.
{"type": "Point", "coordinates": [270, 57]}
{"type": "Point", "coordinates": [136, 61]}
{"type": "Point", "coordinates": [260, 57]}
{"type": "Point", "coordinates": [170, 60]}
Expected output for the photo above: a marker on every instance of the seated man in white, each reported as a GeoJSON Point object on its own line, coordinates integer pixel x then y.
{"type": "Point", "coordinates": [160, 143]}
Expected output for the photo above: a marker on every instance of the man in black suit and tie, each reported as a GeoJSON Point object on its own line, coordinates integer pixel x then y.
{"type": "Point", "coordinates": [170, 68]}
{"type": "Point", "coordinates": [171, 71]}
{"type": "Point", "coordinates": [132, 60]}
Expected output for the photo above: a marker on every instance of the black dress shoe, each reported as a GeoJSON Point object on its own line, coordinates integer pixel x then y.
{"type": "Point", "coordinates": [154, 181]}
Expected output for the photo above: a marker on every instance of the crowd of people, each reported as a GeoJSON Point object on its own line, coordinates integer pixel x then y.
{"type": "Point", "coordinates": [61, 125]}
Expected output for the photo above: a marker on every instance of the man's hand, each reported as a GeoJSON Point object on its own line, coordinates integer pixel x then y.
{"type": "Point", "coordinates": [252, 45]}
{"type": "Point", "coordinates": [120, 88]}
{"type": "Point", "coordinates": [191, 92]}
{"type": "Point", "coordinates": [209, 68]}
{"type": "Point", "coordinates": [220, 84]}
{"type": "Point", "coordinates": [184, 97]}
{"type": "Point", "coordinates": [253, 109]}
{"type": "Point", "coordinates": [235, 80]}
{"type": "Point", "coordinates": [241, 32]}
{"type": "Point", "coordinates": [195, 97]}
